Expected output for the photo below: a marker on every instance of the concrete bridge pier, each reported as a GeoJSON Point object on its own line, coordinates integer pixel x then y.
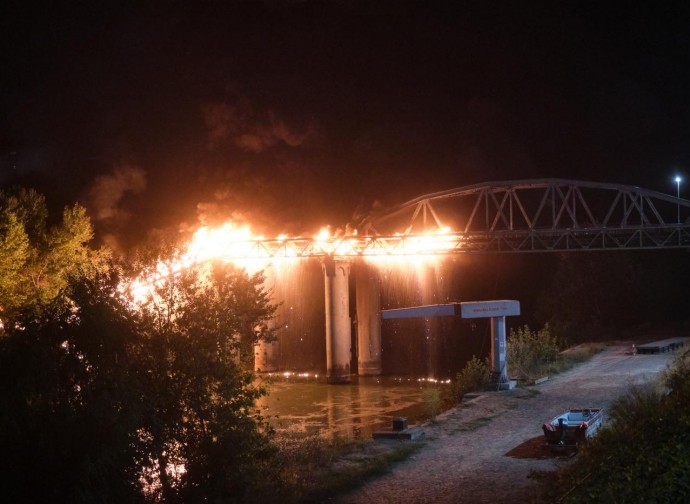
{"type": "Point", "coordinates": [267, 355]}
{"type": "Point", "coordinates": [368, 301]}
{"type": "Point", "coordinates": [338, 328]}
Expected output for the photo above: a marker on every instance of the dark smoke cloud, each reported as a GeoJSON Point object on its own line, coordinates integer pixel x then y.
{"type": "Point", "coordinates": [251, 129]}
{"type": "Point", "coordinates": [107, 191]}
{"type": "Point", "coordinates": [107, 195]}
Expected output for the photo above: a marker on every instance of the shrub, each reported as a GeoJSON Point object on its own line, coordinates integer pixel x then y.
{"type": "Point", "coordinates": [432, 399]}
{"type": "Point", "coordinates": [530, 353]}
{"type": "Point", "coordinates": [474, 376]}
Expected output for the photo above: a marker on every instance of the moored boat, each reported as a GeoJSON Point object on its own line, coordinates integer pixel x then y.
{"type": "Point", "coordinates": [573, 427]}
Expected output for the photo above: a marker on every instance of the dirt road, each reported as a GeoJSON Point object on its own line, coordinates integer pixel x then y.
{"type": "Point", "coordinates": [465, 456]}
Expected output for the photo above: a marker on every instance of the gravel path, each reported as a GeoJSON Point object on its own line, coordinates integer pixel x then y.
{"type": "Point", "coordinates": [464, 458]}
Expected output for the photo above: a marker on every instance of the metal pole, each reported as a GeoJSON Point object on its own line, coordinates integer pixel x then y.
{"type": "Point", "coordinates": [678, 179]}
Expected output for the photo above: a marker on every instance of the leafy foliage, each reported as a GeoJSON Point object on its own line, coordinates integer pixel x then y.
{"type": "Point", "coordinates": [432, 400]}
{"type": "Point", "coordinates": [642, 455]}
{"type": "Point", "coordinates": [36, 261]}
{"type": "Point", "coordinates": [104, 402]}
{"type": "Point", "coordinates": [200, 325]}
{"type": "Point", "coordinates": [531, 353]}
{"type": "Point", "coordinates": [474, 376]}
{"type": "Point", "coordinates": [593, 296]}
{"type": "Point", "coordinates": [69, 406]}
{"type": "Point", "coordinates": [14, 253]}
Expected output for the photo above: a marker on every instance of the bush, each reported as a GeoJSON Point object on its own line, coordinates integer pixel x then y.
{"type": "Point", "coordinates": [432, 399]}
{"type": "Point", "coordinates": [474, 376]}
{"type": "Point", "coordinates": [531, 353]}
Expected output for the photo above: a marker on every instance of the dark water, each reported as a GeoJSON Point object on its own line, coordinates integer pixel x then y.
{"type": "Point", "coordinates": [308, 405]}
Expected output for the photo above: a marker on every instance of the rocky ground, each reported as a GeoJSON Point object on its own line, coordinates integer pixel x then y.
{"type": "Point", "coordinates": [485, 449]}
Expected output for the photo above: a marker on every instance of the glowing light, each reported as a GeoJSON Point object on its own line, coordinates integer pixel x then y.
{"type": "Point", "coordinates": [237, 244]}
{"type": "Point", "coordinates": [678, 180]}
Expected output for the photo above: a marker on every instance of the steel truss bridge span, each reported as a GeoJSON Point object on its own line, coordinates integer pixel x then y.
{"type": "Point", "coordinates": [544, 215]}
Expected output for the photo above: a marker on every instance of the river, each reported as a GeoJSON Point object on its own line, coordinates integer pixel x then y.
{"type": "Point", "coordinates": [305, 403]}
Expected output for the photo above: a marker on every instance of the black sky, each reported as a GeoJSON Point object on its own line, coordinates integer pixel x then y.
{"type": "Point", "coordinates": [294, 114]}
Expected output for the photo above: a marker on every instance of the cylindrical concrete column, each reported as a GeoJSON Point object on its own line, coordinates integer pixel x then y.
{"type": "Point", "coordinates": [428, 286]}
{"type": "Point", "coordinates": [498, 348]}
{"type": "Point", "coordinates": [267, 355]}
{"type": "Point", "coordinates": [368, 301]}
{"type": "Point", "coordinates": [338, 330]}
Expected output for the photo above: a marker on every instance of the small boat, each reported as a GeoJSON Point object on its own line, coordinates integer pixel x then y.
{"type": "Point", "coordinates": [572, 427]}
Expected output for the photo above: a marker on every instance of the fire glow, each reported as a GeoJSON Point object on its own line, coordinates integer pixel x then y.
{"type": "Point", "coordinates": [237, 244]}
{"type": "Point", "coordinates": [232, 243]}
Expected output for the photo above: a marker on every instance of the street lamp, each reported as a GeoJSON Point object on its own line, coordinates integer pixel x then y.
{"type": "Point", "coordinates": [678, 179]}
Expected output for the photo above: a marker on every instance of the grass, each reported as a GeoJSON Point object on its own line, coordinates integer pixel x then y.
{"type": "Point", "coordinates": [571, 357]}
{"type": "Point", "coordinates": [535, 354]}
{"type": "Point", "coordinates": [317, 468]}
{"type": "Point", "coordinates": [529, 394]}
{"type": "Point", "coordinates": [475, 424]}
{"type": "Point", "coordinates": [341, 477]}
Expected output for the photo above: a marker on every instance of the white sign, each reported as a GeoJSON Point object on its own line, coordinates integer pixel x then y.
{"type": "Point", "coordinates": [484, 309]}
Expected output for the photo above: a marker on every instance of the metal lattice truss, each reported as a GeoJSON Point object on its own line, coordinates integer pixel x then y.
{"type": "Point", "coordinates": [542, 215]}
{"type": "Point", "coordinates": [520, 216]}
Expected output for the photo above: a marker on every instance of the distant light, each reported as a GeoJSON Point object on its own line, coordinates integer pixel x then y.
{"type": "Point", "coordinates": [678, 179]}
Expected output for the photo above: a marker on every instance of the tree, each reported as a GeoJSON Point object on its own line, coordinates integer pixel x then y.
{"type": "Point", "coordinates": [36, 260]}
{"type": "Point", "coordinates": [590, 295]}
{"type": "Point", "coordinates": [199, 325]}
{"type": "Point", "coordinates": [70, 400]}
{"type": "Point", "coordinates": [14, 253]}
{"type": "Point", "coordinates": [594, 295]}
{"type": "Point", "coordinates": [102, 400]}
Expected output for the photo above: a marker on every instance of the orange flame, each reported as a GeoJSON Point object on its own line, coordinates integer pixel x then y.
{"type": "Point", "coordinates": [237, 244]}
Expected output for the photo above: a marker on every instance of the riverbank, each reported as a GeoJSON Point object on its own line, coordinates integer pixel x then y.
{"type": "Point", "coordinates": [485, 449]}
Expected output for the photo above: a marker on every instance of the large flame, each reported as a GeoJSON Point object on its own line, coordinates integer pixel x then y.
{"type": "Point", "coordinates": [239, 245]}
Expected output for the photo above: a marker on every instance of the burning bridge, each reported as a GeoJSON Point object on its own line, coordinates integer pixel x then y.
{"type": "Point", "coordinates": [546, 215]}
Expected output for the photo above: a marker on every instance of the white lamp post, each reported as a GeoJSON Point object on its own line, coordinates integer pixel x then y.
{"type": "Point", "coordinates": [678, 179]}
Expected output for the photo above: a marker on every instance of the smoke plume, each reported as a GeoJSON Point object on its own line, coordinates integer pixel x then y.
{"type": "Point", "coordinates": [242, 125]}
{"type": "Point", "coordinates": [107, 191]}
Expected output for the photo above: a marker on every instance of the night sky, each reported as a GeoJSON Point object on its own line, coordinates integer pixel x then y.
{"type": "Point", "coordinates": [295, 114]}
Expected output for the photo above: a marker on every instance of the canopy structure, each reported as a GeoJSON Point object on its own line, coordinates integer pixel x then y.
{"type": "Point", "coordinates": [497, 311]}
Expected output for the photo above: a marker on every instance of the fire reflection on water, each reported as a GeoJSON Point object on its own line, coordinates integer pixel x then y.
{"type": "Point", "coordinates": [308, 405]}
